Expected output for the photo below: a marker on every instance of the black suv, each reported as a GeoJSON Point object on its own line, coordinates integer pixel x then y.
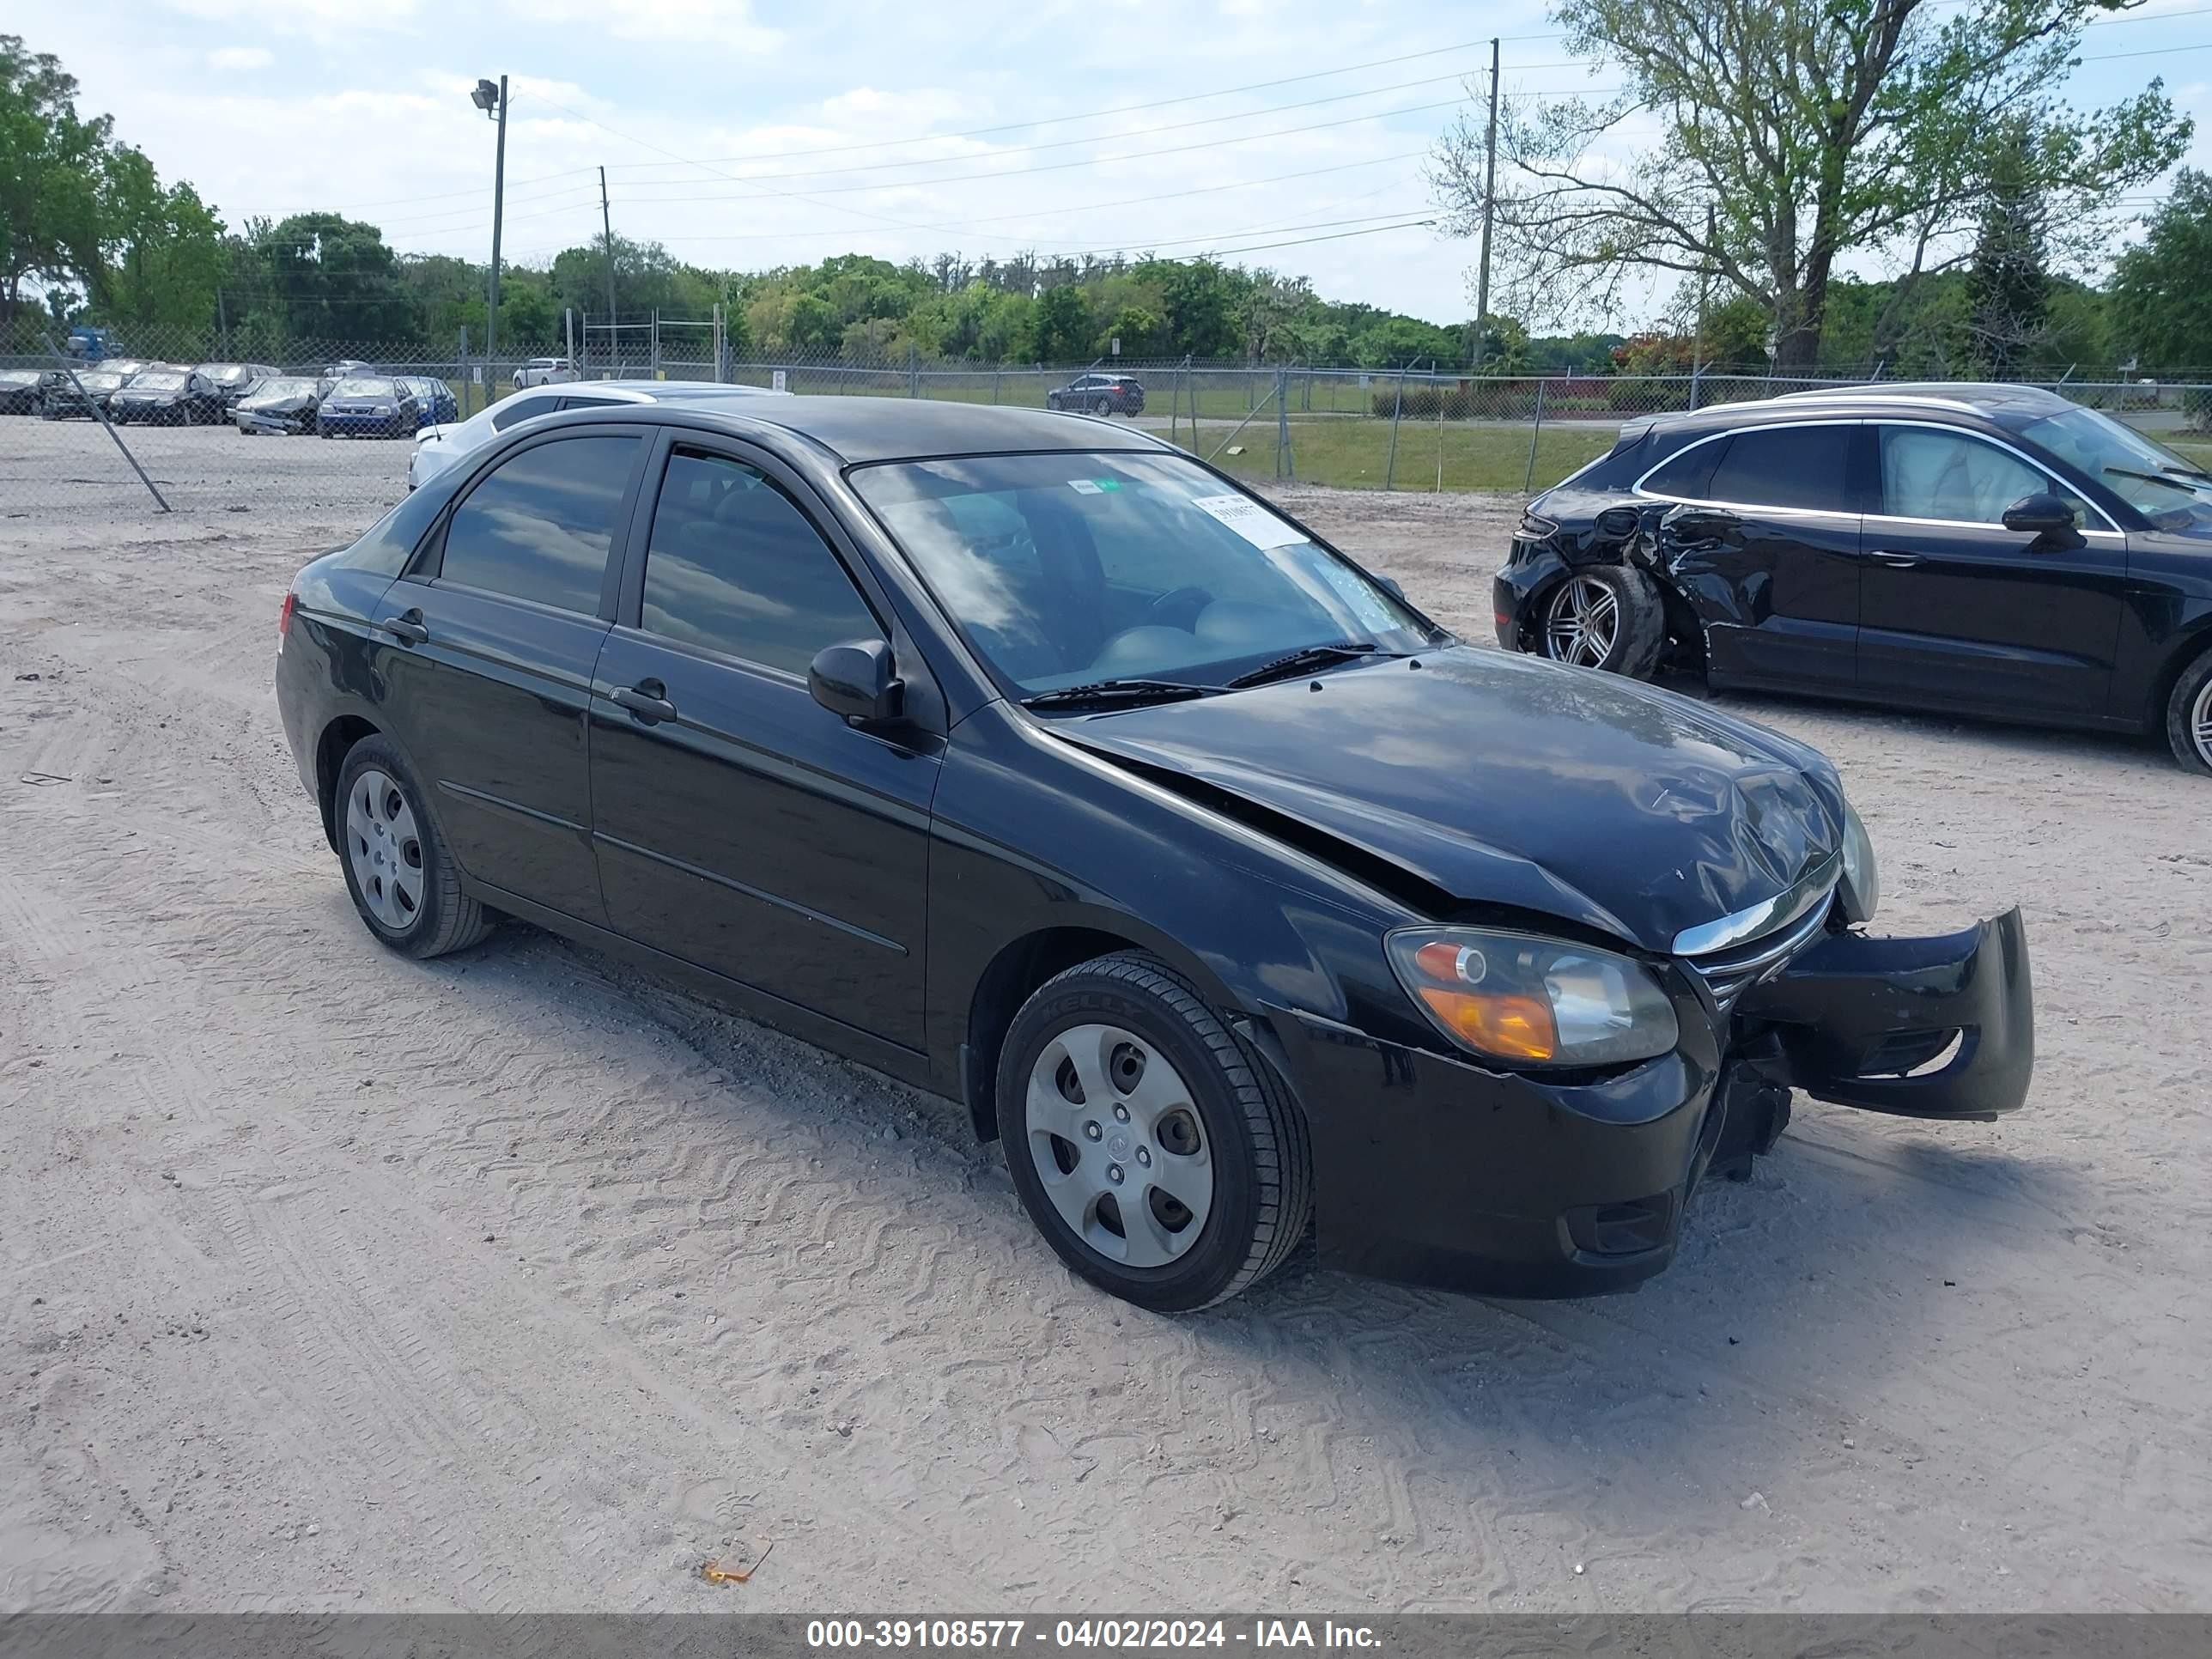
{"type": "Point", "coordinates": [1034, 762]}
{"type": "Point", "coordinates": [1981, 549]}
{"type": "Point", "coordinates": [1098, 394]}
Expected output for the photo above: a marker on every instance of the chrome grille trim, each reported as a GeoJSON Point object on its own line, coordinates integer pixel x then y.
{"type": "Point", "coordinates": [1756, 920]}
{"type": "Point", "coordinates": [1729, 974]}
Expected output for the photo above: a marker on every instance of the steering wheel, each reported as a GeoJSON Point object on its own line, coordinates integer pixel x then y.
{"type": "Point", "coordinates": [1163, 608]}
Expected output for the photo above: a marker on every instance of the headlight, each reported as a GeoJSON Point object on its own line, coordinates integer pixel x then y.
{"type": "Point", "coordinates": [1533, 1002]}
{"type": "Point", "coordinates": [381, 409]}
{"type": "Point", "coordinates": [1861, 888]}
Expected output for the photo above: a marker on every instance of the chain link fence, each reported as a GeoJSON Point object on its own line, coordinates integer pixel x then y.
{"type": "Point", "coordinates": [160, 424]}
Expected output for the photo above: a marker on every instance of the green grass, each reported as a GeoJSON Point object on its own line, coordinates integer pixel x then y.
{"type": "Point", "coordinates": [1355, 454]}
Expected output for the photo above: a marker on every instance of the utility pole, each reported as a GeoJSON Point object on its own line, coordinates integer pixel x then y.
{"type": "Point", "coordinates": [492, 100]}
{"type": "Point", "coordinates": [607, 224]}
{"type": "Point", "coordinates": [1704, 281]}
{"type": "Point", "coordinates": [1489, 204]}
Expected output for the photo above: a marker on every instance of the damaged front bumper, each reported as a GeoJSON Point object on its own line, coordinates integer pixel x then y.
{"type": "Point", "coordinates": [1432, 1171]}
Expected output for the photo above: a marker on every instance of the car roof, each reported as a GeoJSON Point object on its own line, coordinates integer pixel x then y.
{"type": "Point", "coordinates": [858, 430]}
{"type": "Point", "coordinates": [1987, 399]}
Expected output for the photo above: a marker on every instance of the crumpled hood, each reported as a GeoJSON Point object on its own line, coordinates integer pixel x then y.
{"type": "Point", "coordinates": [1506, 780]}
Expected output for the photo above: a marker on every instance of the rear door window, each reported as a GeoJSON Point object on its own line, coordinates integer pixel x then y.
{"type": "Point", "coordinates": [539, 525]}
{"type": "Point", "coordinates": [1793, 466]}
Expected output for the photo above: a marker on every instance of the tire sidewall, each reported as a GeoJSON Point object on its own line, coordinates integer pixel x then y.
{"type": "Point", "coordinates": [2186, 690]}
{"type": "Point", "coordinates": [382, 754]}
{"type": "Point", "coordinates": [1201, 1272]}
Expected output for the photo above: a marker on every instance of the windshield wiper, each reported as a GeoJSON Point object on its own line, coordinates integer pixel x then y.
{"type": "Point", "coordinates": [1304, 659]}
{"type": "Point", "coordinates": [2188, 472]}
{"type": "Point", "coordinates": [1101, 694]}
{"type": "Point", "coordinates": [2168, 479]}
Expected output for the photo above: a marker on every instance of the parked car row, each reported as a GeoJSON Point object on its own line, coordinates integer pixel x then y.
{"type": "Point", "coordinates": [255, 397]}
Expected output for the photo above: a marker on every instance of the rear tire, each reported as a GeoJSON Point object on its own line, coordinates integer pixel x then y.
{"type": "Point", "coordinates": [1175, 1108]}
{"type": "Point", "coordinates": [1606, 617]}
{"type": "Point", "coordinates": [2189, 717]}
{"type": "Point", "coordinates": [400, 876]}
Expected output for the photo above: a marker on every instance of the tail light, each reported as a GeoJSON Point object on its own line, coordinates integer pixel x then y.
{"type": "Point", "coordinates": [284, 616]}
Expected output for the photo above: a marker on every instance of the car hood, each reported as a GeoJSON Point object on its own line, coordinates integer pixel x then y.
{"type": "Point", "coordinates": [1501, 780]}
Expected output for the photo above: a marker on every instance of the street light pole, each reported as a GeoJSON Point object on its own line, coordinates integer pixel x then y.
{"type": "Point", "coordinates": [492, 100]}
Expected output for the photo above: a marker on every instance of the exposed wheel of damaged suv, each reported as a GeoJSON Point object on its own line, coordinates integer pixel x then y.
{"type": "Point", "coordinates": [2188, 716]}
{"type": "Point", "coordinates": [1605, 617]}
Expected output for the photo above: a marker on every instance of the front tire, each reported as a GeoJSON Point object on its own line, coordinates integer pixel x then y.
{"type": "Point", "coordinates": [1606, 617]}
{"type": "Point", "coordinates": [1158, 1157]}
{"type": "Point", "coordinates": [2189, 717]}
{"type": "Point", "coordinates": [400, 876]}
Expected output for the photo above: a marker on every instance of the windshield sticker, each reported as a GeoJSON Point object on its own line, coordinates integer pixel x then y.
{"type": "Point", "coordinates": [1249, 520]}
{"type": "Point", "coordinates": [1093, 486]}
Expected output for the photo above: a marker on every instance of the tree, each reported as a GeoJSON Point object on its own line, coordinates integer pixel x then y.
{"type": "Point", "coordinates": [2007, 286]}
{"type": "Point", "coordinates": [160, 257]}
{"type": "Point", "coordinates": [1806, 129]}
{"type": "Point", "coordinates": [51, 170]}
{"type": "Point", "coordinates": [2162, 287]}
{"type": "Point", "coordinates": [1063, 325]}
{"type": "Point", "coordinates": [329, 277]}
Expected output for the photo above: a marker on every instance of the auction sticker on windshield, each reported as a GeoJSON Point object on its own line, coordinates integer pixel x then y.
{"type": "Point", "coordinates": [1249, 520]}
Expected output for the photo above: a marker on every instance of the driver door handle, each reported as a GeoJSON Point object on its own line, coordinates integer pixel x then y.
{"type": "Point", "coordinates": [407, 628]}
{"type": "Point", "coordinates": [648, 700]}
{"type": "Point", "coordinates": [1895, 561]}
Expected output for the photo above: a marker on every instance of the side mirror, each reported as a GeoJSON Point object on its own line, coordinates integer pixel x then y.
{"type": "Point", "coordinates": [853, 681]}
{"type": "Point", "coordinates": [2039, 515]}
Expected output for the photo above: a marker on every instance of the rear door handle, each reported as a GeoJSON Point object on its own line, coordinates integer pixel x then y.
{"type": "Point", "coordinates": [1895, 561]}
{"type": "Point", "coordinates": [648, 700]}
{"type": "Point", "coordinates": [408, 628]}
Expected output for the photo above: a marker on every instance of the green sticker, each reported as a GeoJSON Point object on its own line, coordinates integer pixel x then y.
{"type": "Point", "coordinates": [1110, 484]}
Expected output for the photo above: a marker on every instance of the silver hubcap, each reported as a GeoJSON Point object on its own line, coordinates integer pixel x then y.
{"type": "Point", "coordinates": [386, 849]}
{"type": "Point", "coordinates": [1583, 623]}
{"type": "Point", "coordinates": [2200, 723]}
{"type": "Point", "coordinates": [1118, 1144]}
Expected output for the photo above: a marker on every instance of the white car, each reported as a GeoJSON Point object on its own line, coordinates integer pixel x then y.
{"type": "Point", "coordinates": [437, 447]}
{"type": "Point", "coordinates": [545, 371]}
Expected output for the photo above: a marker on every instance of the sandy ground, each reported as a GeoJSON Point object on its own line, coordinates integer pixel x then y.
{"type": "Point", "coordinates": [332, 1280]}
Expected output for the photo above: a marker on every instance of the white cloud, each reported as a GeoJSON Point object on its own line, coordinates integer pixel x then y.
{"type": "Point", "coordinates": [705, 24]}
{"type": "Point", "coordinates": [240, 58]}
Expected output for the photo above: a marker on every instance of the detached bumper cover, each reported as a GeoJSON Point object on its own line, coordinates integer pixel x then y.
{"type": "Point", "coordinates": [1852, 1013]}
{"type": "Point", "coordinates": [1435, 1171]}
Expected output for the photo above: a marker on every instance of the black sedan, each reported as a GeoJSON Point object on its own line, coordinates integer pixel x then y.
{"type": "Point", "coordinates": [227, 383]}
{"type": "Point", "coordinates": [282, 404]}
{"type": "Point", "coordinates": [1993, 550]}
{"type": "Point", "coordinates": [1099, 394]}
{"type": "Point", "coordinates": [19, 391]}
{"type": "Point", "coordinates": [65, 395]}
{"type": "Point", "coordinates": [1039, 765]}
{"type": "Point", "coordinates": [166, 395]}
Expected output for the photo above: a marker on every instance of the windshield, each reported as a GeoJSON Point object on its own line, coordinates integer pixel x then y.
{"type": "Point", "coordinates": [362, 386]}
{"type": "Point", "coordinates": [1069, 570]}
{"type": "Point", "coordinates": [223, 374]}
{"type": "Point", "coordinates": [18, 376]}
{"type": "Point", "coordinates": [99, 381]}
{"type": "Point", "coordinates": [269, 391]}
{"type": "Point", "coordinates": [161, 380]}
{"type": "Point", "coordinates": [2168, 489]}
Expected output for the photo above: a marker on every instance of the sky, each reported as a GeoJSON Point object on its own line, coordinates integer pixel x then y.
{"type": "Point", "coordinates": [1290, 134]}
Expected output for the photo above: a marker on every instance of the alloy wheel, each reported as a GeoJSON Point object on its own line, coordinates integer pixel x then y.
{"type": "Point", "coordinates": [2200, 723]}
{"type": "Point", "coordinates": [1119, 1145]}
{"type": "Point", "coordinates": [384, 848]}
{"type": "Point", "coordinates": [1581, 623]}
